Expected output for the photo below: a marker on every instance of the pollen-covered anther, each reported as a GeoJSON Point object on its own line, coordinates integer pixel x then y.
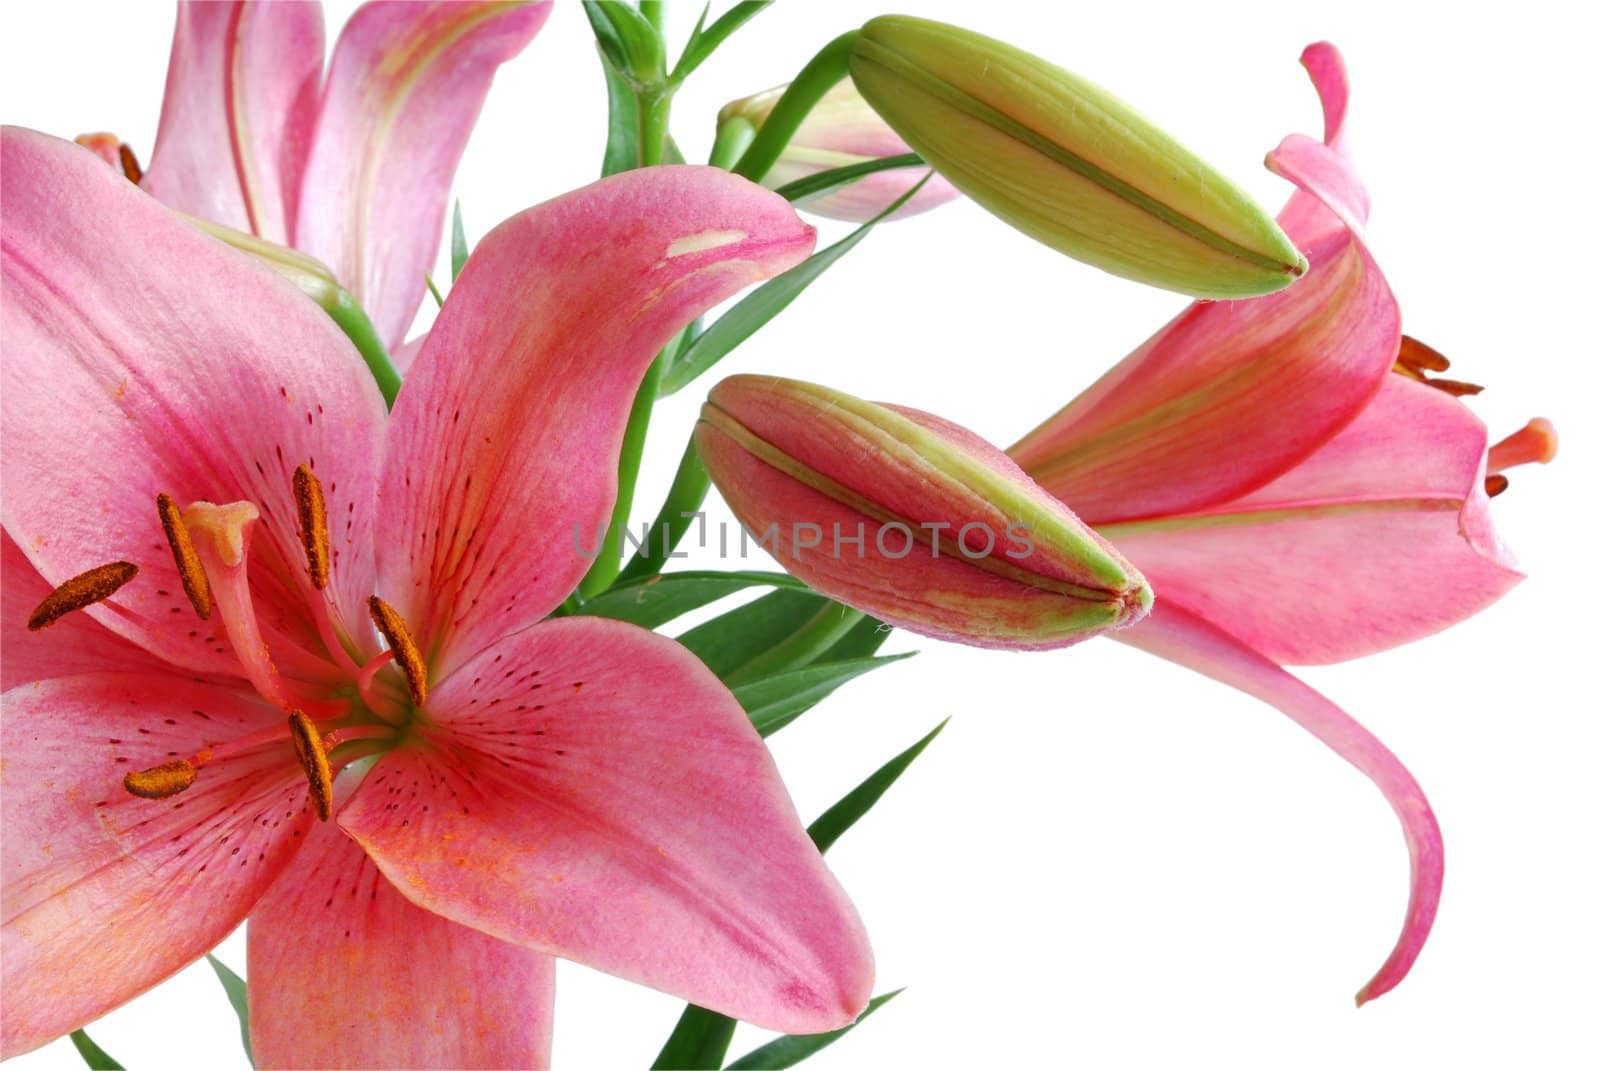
{"type": "Point", "coordinates": [1495, 484]}
{"type": "Point", "coordinates": [406, 654]}
{"type": "Point", "coordinates": [1416, 359]}
{"type": "Point", "coordinates": [85, 589]}
{"type": "Point", "coordinates": [190, 571]}
{"type": "Point", "coordinates": [130, 164]}
{"type": "Point", "coordinates": [313, 511]}
{"type": "Point", "coordinates": [159, 782]}
{"type": "Point", "coordinates": [308, 746]}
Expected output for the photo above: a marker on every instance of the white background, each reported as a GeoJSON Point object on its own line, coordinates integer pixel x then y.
{"type": "Point", "coordinates": [1106, 861]}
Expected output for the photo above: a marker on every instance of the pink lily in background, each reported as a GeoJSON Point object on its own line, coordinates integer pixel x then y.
{"type": "Point", "coordinates": [353, 169]}
{"type": "Point", "coordinates": [1294, 486]}
{"type": "Point", "coordinates": [840, 131]}
{"type": "Point", "coordinates": [260, 601]}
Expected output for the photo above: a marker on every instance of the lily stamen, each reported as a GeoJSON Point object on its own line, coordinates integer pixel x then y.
{"type": "Point", "coordinates": [313, 511]}
{"type": "Point", "coordinates": [160, 782]}
{"type": "Point", "coordinates": [130, 163]}
{"type": "Point", "coordinates": [85, 589]}
{"type": "Point", "coordinates": [1416, 359]}
{"type": "Point", "coordinates": [1495, 484]}
{"type": "Point", "coordinates": [406, 653]}
{"type": "Point", "coordinates": [196, 584]}
{"type": "Point", "coordinates": [313, 755]}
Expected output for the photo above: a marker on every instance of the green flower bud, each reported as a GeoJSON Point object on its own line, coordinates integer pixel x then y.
{"type": "Point", "coordinates": [1067, 163]}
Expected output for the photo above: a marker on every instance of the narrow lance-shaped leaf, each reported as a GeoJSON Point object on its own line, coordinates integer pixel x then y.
{"type": "Point", "coordinates": [858, 801]}
{"type": "Point", "coordinates": [803, 189]}
{"type": "Point", "coordinates": [793, 1048]}
{"type": "Point", "coordinates": [238, 996]}
{"type": "Point", "coordinates": [458, 244]}
{"type": "Point", "coordinates": [93, 1055]}
{"type": "Point", "coordinates": [700, 1040]}
{"type": "Point", "coordinates": [703, 43]}
{"type": "Point", "coordinates": [775, 701]}
{"type": "Point", "coordinates": [770, 298]}
{"type": "Point", "coordinates": [655, 600]}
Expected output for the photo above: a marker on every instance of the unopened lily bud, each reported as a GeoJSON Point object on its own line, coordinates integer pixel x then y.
{"type": "Point", "coordinates": [1067, 163]}
{"type": "Point", "coordinates": [910, 518]}
{"type": "Point", "coordinates": [314, 278]}
{"type": "Point", "coordinates": [840, 131]}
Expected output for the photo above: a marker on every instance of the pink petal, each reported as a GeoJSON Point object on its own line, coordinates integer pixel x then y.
{"type": "Point", "coordinates": [1305, 216]}
{"type": "Point", "coordinates": [593, 792]}
{"type": "Point", "coordinates": [236, 122]}
{"type": "Point", "coordinates": [1178, 635]}
{"type": "Point", "coordinates": [1325, 174]}
{"type": "Point", "coordinates": [506, 435]}
{"type": "Point", "coordinates": [1380, 537]}
{"type": "Point", "coordinates": [75, 644]}
{"type": "Point", "coordinates": [404, 88]}
{"type": "Point", "coordinates": [346, 972]}
{"type": "Point", "coordinates": [105, 893]}
{"type": "Point", "coordinates": [186, 368]}
{"type": "Point", "coordinates": [1226, 397]}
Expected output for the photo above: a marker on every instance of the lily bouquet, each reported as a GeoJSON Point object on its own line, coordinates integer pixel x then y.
{"type": "Point", "coordinates": [351, 634]}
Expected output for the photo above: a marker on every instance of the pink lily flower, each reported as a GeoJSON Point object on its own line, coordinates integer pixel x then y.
{"type": "Point", "coordinates": [353, 169]}
{"type": "Point", "coordinates": [1293, 485]}
{"type": "Point", "coordinates": [371, 646]}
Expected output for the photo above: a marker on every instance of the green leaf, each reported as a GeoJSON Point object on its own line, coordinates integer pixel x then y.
{"type": "Point", "coordinates": [792, 1048]}
{"type": "Point", "coordinates": [703, 43]}
{"type": "Point", "coordinates": [775, 701]}
{"type": "Point", "coordinates": [639, 43]}
{"type": "Point", "coordinates": [238, 996]}
{"type": "Point", "coordinates": [606, 37]}
{"type": "Point", "coordinates": [675, 518]}
{"type": "Point", "coordinates": [805, 645]}
{"type": "Point", "coordinates": [728, 642]}
{"type": "Point", "coordinates": [656, 600]}
{"type": "Point", "coordinates": [803, 189]}
{"type": "Point", "coordinates": [868, 635]}
{"type": "Point", "coordinates": [458, 244]}
{"type": "Point", "coordinates": [438, 298]}
{"type": "Point", "coordinates": [92, 1054]}
{"type": "Point", "coordinates": [859, 800]}
{"type": "Point", "coordinates": [762, 304]}
{"type": "Point", "coordinates": [622, 130]}
{"type": "Point", "coordinates": [700, 1040]}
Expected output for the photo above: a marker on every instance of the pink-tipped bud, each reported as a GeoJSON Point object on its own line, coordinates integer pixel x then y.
{"type": "Point", "coordinates": [910, 518]}
{"type": "Point", "coordinates": [840, 131]}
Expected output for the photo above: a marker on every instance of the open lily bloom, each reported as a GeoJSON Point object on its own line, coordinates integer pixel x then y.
{"type": "Point", "coordinates": [339, 614]}
{"type": "Point", "coordinates": [354, 170]}
{"type": "Point", "coordinates": [1293, 485]}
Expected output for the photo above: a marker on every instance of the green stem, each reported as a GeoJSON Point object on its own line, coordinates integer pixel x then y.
{"type": "Point", "coordinates": [684, 499]}
{"type": "Point", "coordinates": [609, 561]}
{"type": "Point", "coordinates": [803, 646]}
{"type": "Point", "coordinates": [655, 113]}
{"type": "Point", "coordinates": [734, 136]}
{"type": "Point", "coordinates": [653, 13]}
{"type": "Point", "coordinates": [352, 320]}
{"type": "Point", "coordinates": [826, 69]}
